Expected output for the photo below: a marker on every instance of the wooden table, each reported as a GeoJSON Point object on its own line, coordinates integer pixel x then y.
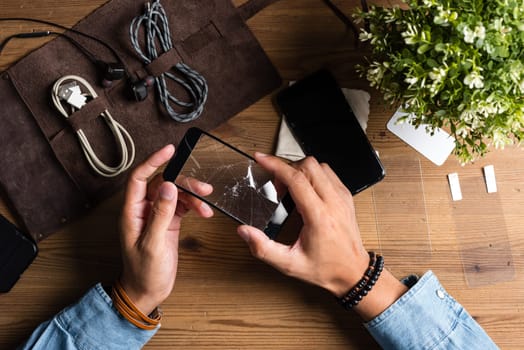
{"type": "Point", "coordinates": [225, 299]}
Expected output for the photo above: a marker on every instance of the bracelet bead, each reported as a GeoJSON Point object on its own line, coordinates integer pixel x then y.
{"type": "Point", "coordinates": [365, 284]}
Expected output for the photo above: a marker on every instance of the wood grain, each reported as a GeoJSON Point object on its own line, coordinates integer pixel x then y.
{"type": "Point", "coordinates": [223, 298]}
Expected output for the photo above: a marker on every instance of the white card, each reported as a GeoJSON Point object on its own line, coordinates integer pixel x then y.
{"type": "Point", "coordinates": [436, 147]}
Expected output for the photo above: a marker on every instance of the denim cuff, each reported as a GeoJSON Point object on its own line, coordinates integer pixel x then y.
{"type": "Point", "coordinates": [94, 323]}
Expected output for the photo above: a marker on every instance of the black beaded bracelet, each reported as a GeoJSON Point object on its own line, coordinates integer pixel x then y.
{"type": "Point", "coordinates": [365, 284]}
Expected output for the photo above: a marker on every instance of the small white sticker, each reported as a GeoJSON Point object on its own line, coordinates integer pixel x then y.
{"type": "Point", "coordinates": [489, 176]}
{"type": "Point", "coordinates": [454, 186]}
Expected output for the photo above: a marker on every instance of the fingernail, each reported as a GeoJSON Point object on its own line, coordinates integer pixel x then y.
{"type": "Point", "coordinates": [167, 191]}
{"type": "Point", "coordinates": [206, 208]}
{"type": "Point", "coordinates": [206, 187]}
{"type": "Point", "coordinates": [168, 148]}
{"type": "Point", "coordinates": [261, 155]}
{"type": "Point", "coordinates": [243, 232]}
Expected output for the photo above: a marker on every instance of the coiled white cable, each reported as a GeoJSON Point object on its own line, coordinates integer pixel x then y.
{"type": "Point", "coordinates": [122, 138]}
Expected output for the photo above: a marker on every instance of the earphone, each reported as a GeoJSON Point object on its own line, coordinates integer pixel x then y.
{"type": "Point", "coordinates": [113, 71]}
{"type": "Point", "coordinates": [139, 88]}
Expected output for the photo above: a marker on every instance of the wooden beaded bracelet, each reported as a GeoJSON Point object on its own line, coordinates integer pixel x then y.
{"type": "Point", "coordinates": [365, 284]}
{"type": "Point", "coordinates": [130, 312]}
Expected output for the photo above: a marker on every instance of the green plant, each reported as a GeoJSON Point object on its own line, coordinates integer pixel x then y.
{"type": "Point", "coordinates": [456, 64]}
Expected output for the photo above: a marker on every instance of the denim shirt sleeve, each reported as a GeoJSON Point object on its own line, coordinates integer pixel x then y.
{"type": "Point", "coordinates": [427, 317]}
{"type": "Point", "coordinates": [91, 323]}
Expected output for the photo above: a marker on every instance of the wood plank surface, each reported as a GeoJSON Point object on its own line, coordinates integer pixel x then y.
{"type": "Point", "coordinates": [225, 299]}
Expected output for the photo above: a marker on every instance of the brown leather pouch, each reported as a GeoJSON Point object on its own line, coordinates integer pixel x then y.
{"type": "Point", "coordinates": [43, 170]}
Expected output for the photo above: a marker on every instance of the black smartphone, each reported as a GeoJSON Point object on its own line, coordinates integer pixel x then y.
{"type": "Point", "coordinates": [17, 252]}
{"type": "Point", "coordinates": [242, 189]}
{"type": "Point", "coordinates": [323, 123]}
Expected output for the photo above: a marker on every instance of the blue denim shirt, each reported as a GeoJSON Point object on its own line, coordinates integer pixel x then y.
{"type": "Point", "coordinates": [426, 317]}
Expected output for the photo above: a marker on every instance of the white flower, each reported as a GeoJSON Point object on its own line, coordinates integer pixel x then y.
{"type": "Point", "coordinates": [433, 89]}
{"type": "Point", "coordinates": [413, 102]}
{"type": "Point", "coordinates": [497, 24]}
{"type": "Point", "coordinates": [469, 35]}
{"type": "Point", "coordinates": [429, 3]}
{"type": "Point", "coordinates": [490, 49]}
{"type": "Point", "coordinates": [411, 80]}
{"type": "Point", "coordinates": [375, 73]}
{"type": "Point", "coordinates": [444, 17]}
{"type": "Point", "coordinates": [474, 80]}
{"type": "Point", "coordinates": [515, 71]}
{"type": "Point", "coordinates": [487, 109]}
{"type": "Point", "coordinates": [501, 138]}
{"type": "Point", "coordinates": [468, 116]}
{"type": "Point", "coordinates": [438, 74]}
{"type": "Point", "coordinates": [410, 35]}
{"type": "Point", "coordinates": [441, 18]}
{"type": "Point", "coordinates": [462, 131]}
{"type": "Point", "coordinates": [480, 32]}
{"type": "Point", "coordinates": [364, 36]}
{"type": "Point", "coordinates": [498, 103]}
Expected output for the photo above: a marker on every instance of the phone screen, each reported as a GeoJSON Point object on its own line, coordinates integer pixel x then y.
{"type": "Point", "coordinates": [241, 188]}
{"type": "Point", "coordinates": [16, 254]}
{"type": "Point", "coordinates": [322, 121]}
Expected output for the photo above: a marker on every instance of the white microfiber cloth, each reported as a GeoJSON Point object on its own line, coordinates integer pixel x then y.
{"type": "Point", "coordinates": [288, 148]}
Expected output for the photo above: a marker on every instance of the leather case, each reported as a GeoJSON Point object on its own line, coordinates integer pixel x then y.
{"type": "Point", "coordinates": [43, 170]}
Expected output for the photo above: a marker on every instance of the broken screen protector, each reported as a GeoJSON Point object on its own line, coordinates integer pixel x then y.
{"type": "Point", "coordinates": [242, 189]}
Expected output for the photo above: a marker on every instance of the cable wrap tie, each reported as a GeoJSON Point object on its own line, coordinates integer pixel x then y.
{"type": "Point", "coordinates": [91, 110]}
{"type": "Point", "coordinates": [155, 25]}
{"type": "Point", "coordinates": [123, 139]}
{"type": "Point", "coordinates": [163, 63]}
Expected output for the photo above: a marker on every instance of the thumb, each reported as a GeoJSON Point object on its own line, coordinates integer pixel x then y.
{"type": "Point", "coordinates": [263, 248]}
{"type": "Point", "coordinates": [163, 210]}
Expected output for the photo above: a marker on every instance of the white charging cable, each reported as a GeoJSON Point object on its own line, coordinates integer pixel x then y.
{"type": "Point", "coordinates": [73, 91]}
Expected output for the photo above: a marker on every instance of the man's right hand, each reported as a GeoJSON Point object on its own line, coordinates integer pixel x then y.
{"type": "Point", "coordinates": [328, 252]}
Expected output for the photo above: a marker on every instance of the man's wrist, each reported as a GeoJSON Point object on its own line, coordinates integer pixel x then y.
{"type": "Point", "coordinates": [145, 303]}
{"type": "Point", "coordinates": [132, 312]}
{"type": "Point", "coordinates": [346, 277]}
{"type": "Point", "coordinates": [366, 286]}
{"type": "Point", "coordinates": [366, 283]}
{"type": "Point", "coordinates": [385, 293]}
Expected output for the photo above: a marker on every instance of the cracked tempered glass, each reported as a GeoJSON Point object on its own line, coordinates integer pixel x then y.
{"type": "Point", "coordinates": [241, 188]}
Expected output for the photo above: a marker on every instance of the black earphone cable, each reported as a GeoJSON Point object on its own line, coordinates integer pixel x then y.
{"type": "Point", "coordinates": [79, 46]}
{"type": "Point", "coordinates": [23, 36]}
{"type": "Point", "coordinates": [56, 25]}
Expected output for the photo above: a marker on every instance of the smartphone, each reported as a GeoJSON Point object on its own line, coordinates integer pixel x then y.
{"type": "Point", "coordinates": [323, 123]}
{"type": "Point", "coordinates": [242, 189]}
{"type": "Point", "coordinates": [17, 252]}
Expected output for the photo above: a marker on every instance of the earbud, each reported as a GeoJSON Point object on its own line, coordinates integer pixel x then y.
{"type": "Point", "coordinates": [139, 88]}
{"type": "Point", "coordinates": [110, 72]}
